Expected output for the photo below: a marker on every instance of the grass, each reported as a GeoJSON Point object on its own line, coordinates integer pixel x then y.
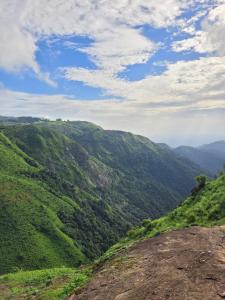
{"type": "Point", "coordinates": [32, 235]}
{"type": "Point", "coordinates": [57, 283]}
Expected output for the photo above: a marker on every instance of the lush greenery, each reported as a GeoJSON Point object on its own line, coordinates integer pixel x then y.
{"type": "Point", "coordinates": [205, 207]}
{"type": "Point", "coordinates": [69, 190]}
{"type": "Point", "coordinates": [45, 284]}
{"type": "Point", "coordinates": [31, 233]}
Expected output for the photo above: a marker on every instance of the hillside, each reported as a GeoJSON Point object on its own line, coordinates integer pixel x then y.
{"type": "Point", "coordinates": [40, 226]}
{"type": "Point", "coordinates": [161, 260]}
{"type": "Point", "coordinates": [205, 207]}
{"type": "Point", "coordinates": [216, 148]}
{"type": "Point", "coordinates": [210, 157]}
{"type": "Point", "coordinates": [32, 236]}
{"type": "Point", "coordinates": [85, 184]}
{"type": "Point", "coordinates": [167, 258]}
{"type": "Point", "coordinates": [142, 162]}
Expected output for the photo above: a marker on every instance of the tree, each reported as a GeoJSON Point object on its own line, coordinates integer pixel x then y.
{"type": "Point", "coordinates": [201, 180]}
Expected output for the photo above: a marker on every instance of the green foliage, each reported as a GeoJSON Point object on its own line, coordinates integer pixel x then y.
{"type": "Point", "coordinates": [70, 190]}
{"type": "Point", "coordinates": [31, 234]}
{"type": "Point", "coordinates": [57, 283]}
{"type": "Point", "coordinates": [201, 180]}
{"type": "Point", "coordinates": [205, 208]}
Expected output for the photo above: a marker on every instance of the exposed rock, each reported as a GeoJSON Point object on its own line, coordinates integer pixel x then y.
{"type": "Point", "coordinates": [186, 264]}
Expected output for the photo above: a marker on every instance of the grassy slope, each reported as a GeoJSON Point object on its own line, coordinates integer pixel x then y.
{"type": "Point", "coordinates": [80, 192]}
{"type": "Point", "coordinates": [204, 208]}
{"type": "Point", "coordinates": [70, 171]}
{"type": "Point", "coordinates": [116, 178]}
{"type": "Point", "coordinates": [91, 183]}
{"type": "Point", "coordinates": [31, 233]}
{"type": "Point", "coordinates": [57, 283]}
{"type": "Point", "coordinates": [153, 179]}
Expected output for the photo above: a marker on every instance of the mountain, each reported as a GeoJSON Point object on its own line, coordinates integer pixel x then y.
{"type": "Point", "coordinates": [19, 120]}
{"type": "Point", "coordinates": [140, 160]}
{"type": "Point", "coordinates": [31, 233]}
{"type": "Point", "coordinates": [217, 148]}
{"type": "Point", "coordinates": [69, 190]}
{"type": "Point", "coordinates": [209, 158]}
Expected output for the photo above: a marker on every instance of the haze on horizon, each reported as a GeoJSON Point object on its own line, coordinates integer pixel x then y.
{"type": "Point", "coordinates": [152, 68]}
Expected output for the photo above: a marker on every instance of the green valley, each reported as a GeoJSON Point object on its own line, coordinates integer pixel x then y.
{"type": "Point", "coordinates": [70, 190]}
{"type": "Point", "coordinates": [205, 207]}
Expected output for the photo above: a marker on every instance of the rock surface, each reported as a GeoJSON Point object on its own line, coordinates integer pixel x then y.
{"type": "Point", "coordinates": [187, 264]}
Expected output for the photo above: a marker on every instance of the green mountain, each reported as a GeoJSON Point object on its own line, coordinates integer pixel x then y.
{"type": "Point", "coordinates": [205, 207]}
{"type": "Point", "coordinates": [31, 233]}
{"type": "Point", "coordinates": [69, 190]}
{"type": "Point", "coordinates": [209, 158]}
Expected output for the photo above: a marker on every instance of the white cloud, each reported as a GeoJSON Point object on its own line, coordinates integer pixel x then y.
{"type": "Point", "coordinates": [209, 39]}
{"type": "Point", "coordinates": [111, 24]}
{"type": "Point", "coordinates": [189, 95]}
{"type": "Point", "coordinates": [184, 123]}
{"type": "Point", "coordinates": [181, 82]}
{"type": "Point", "coordinates": [17, 46]}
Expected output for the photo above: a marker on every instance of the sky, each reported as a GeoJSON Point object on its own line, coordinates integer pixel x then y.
{"type": "Point", "coordinates": [155, 68]}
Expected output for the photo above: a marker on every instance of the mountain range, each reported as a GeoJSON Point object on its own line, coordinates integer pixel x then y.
{"type": "Point", "coordinates": [69, 190]}
{"type": "Point", "coordinates": [179, 255]}
{"type": "Point", "coordinates": [210, 157]}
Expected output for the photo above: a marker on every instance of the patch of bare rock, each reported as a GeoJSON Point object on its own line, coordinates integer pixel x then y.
{"type": "Point", "coordinates": [186, 264]}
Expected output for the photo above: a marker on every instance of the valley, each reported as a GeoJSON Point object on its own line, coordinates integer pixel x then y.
{"type": "Point", "coordinates": [82, 205]}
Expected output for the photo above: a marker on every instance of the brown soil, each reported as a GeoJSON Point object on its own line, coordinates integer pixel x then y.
{"type": "Point", "coordinates": [186, 264]}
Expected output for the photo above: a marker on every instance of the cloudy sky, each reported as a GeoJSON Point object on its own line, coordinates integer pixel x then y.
{"type": "Point", "coordinates": [155, 68]}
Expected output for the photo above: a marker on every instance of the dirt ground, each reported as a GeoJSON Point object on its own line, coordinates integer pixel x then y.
{"type": "Point", "coordinates": [186, 264]}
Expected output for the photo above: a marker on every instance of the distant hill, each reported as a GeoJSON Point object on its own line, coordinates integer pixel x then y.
{"type": "Point", "coordinates": [19, 120]}
{"type": "Point", "coordinates": [210, 158]}
{"type": "Point", "coordinates": [69, 190]}
{"type": "Point", "coordinates": [217, 148]}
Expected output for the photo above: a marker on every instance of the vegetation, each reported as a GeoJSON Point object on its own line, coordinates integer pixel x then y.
{"type": "Point", "coordinates": [70, 190]}
{"type": "Point", "coordinates": [31, 233]}
{"type": "Point", "coordinates": [205, 208]}
{"type": "Point", "coordinates": [57, 283]}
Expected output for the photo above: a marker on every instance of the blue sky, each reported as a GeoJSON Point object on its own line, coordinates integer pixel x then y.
{"type": "Point", "coordinates": [140, 66]}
